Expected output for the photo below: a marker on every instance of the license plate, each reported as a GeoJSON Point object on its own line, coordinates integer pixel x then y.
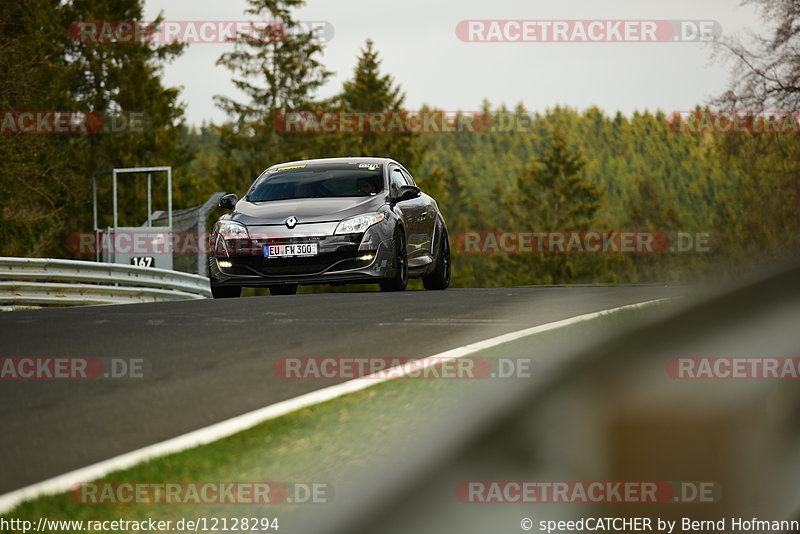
{"type": "Point", "coordinates": [292, 250]}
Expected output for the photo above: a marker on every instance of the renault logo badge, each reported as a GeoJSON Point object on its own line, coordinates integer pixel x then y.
{"type": "Point", "coordinates": [291, 222]}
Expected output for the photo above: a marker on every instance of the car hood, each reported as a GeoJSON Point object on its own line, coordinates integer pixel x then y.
{"type": "Point", "coordinates": [306, 210]}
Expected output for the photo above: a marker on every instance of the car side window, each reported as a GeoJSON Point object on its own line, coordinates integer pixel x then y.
{"type": "Point", "coordinates": [396, 181]}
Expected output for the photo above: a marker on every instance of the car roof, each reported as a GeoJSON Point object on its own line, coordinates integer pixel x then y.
{"type": "Point", "coordinates": [360, 159]}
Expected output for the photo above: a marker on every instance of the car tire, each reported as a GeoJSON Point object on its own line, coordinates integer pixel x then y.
{"type": "Point", "coordinates": [400, 279]}
{"type": "Point", "coordinates": [225, 292]}
{"type": "Point", "coordinates": [439, 278]}
{"type": "Point", "coordinates": [287, 289]}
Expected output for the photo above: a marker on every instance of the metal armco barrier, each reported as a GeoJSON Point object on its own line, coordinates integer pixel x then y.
{"type": "Point", "coordinates": [44, 281]}
{"type": "Point", "coordinates": [605, 407]}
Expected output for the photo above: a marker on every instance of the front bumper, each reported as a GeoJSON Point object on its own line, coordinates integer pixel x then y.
{"type": "Point", "coordinates": [349, 258]}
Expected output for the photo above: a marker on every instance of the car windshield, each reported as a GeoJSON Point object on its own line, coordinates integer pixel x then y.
{"type": "Point", "coordinates": [318, 181]}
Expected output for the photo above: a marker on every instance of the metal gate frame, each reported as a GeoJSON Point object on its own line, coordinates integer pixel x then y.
{"type": "Point", "coordinates": [130, 170]}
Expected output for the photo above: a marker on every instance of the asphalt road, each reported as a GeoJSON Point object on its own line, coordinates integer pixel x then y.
{"type": "Point", "coordinates": [206, 361]}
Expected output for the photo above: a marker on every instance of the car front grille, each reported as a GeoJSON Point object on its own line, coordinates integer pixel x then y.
{"type": "Point", "coordinates": [338, 252]}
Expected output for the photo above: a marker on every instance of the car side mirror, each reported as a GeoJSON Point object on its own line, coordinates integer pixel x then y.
{"type": "Point", "coordinates": [407, 192]}
{"type": "Point", "coordinates": [228, 201]}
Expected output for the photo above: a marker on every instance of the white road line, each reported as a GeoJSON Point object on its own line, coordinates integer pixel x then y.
{"type": "Point", "coordinates": [223, 429]}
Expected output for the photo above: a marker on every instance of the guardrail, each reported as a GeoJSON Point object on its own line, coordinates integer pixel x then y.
{"type": "Point", "coordinates": [45, 281]}
{"type": "Point", "coordinates": [602, 407]}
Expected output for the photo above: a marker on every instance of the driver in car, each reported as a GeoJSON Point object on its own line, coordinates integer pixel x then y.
{"type": "Point", "coordinates": [366, 186]}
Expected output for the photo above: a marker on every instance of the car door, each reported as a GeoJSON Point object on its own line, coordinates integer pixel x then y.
{"type": "Point", "coordinates": [411, 212]}
{"type": "Point", "coordinates": [427, 221]}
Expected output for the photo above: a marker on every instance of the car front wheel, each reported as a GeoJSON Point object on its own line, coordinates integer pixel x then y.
{"type": "Point", "coordinates": [440, 277]}
{"type": "Point", "coordinates": [400, 279]}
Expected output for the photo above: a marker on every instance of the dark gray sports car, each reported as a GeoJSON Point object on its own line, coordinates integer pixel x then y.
{"type": "Point", "coordinates": [329, 221]}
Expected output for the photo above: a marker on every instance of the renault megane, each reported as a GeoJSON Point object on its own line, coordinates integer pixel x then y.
{"type": "Point", "coordinates": [329, 221]}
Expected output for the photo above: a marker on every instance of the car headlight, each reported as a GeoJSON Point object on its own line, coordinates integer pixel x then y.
{"type": "Point", "coordinates": [231, 230]}
{"type": "Point", "coordinates": [359, 223]}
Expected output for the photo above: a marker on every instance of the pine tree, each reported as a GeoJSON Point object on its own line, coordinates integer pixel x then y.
{"type": "Point", "coordinates": [369, 90]}
{"type": "Point", "coordinates": [553, 191]}
{"type": "Point", "coordinates": [278, 72]}
{"type": "Point", "coordinates": [32, 167]}
{"type": "Point", "coordinates": [553, 196]}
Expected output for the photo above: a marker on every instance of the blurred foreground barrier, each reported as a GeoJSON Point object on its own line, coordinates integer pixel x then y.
{"type": "Point", "coordinates": [611, 409]}
{"type": "Point", "coordinates": [43, 281]}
